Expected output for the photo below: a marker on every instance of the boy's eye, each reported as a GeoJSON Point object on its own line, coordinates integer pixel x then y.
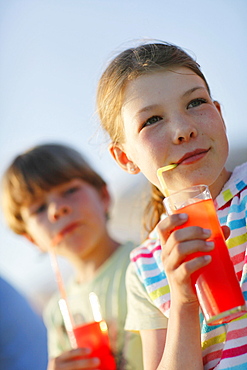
{"type": "Point", "coordinates": [41, 208]}
{"type": "Point", "coordinates": [196, 102]}
{"type": "Point", "coordinates": [71, 190]}
{"type": "Point", "coordinates": [152, 120]}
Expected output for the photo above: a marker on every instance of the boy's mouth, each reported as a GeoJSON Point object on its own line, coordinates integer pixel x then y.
{"type": "Point", "coordinates": [66, 230]}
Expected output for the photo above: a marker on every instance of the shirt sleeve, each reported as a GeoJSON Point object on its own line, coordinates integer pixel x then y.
{"type": "Point", "coordinates": [142, 313]}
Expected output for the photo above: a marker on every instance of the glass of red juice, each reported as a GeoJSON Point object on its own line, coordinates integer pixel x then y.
{"type": "Point", "coordinates": [216, 284]}
{"type": "Point", "coordinates": [86, 328]}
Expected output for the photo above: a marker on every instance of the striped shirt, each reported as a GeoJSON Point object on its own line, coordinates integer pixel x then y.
{"type": "Point", "coordinates": [223, 346]}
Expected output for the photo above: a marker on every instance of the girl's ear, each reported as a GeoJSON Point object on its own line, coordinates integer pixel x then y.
{"type": "Point", "coordinates": [218, 107]}
{"type": "Point", "coordinates": [121, 158]}
{"type": "Point", "coordinates": [217, 104]}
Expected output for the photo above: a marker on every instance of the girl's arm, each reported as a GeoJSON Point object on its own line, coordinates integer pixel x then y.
{"type": "Point", "coordinates": [153, 344]}
{"type": "Point", "coordinates": [178, 347]}
{"type": "Point", "coordinates": [175, 348]}
{"type": "Point", "coordinates": [183, 340]}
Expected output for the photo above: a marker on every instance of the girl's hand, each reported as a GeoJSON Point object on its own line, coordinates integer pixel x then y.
{"type": "Point", "coordinates": [74, 359]}
{"type": "Point", "coordinates": [176, 246]}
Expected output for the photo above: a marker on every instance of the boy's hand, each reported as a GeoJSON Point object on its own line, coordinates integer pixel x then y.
{"type": "Point", "coordinates": [73, 360]}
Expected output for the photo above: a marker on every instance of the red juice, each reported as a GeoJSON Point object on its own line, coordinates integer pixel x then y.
{"type": "Point", "coordinates": [95, 336]}
{"type": "Point", "coordinates": [217, 287]}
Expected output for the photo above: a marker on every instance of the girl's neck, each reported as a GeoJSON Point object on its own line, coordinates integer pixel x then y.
{"type": "Point", "coordinates": [217, 186]}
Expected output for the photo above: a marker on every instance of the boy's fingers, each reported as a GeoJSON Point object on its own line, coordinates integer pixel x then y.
{"type": "Point", "coordinates": [74, 353]}
{"type": "Point", "coordinates": [74, 359]}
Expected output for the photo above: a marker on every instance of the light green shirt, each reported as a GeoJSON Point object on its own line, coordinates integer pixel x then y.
{"type": "Point", "coordinates": [109, 285]}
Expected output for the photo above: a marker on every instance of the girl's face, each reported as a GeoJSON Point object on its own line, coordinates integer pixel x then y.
{"type": "Point", "coordinates": [169, 117]}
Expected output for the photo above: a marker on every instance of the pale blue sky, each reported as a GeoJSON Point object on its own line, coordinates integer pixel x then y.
{"type": "Point", "coordinates": [52, 54]}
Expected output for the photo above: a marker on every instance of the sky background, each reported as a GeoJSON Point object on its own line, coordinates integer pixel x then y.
{"type": "Point", "coordinates": [52, 53]}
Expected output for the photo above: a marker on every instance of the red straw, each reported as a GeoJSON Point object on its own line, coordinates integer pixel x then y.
{"type": "Point", "coordinates": [63, 303]}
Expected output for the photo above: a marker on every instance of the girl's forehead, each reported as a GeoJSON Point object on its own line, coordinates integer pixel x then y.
{"type": "Point", "coordinates": [173, 74]}
{"type": "Point", "coordinates": [148, 87]}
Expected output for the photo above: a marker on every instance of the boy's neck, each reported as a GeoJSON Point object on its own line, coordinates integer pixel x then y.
{"type": "Point", "coordinates": [87, 268]}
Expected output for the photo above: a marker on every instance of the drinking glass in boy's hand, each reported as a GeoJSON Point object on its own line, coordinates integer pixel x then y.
{"type": "Point", "coordinates": [74, 359]}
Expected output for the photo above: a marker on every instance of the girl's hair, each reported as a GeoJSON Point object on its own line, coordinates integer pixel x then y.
{"type": "Point", "coordinates": [38, 170]}
{"type": "Point", "coordinates": [127, 66]}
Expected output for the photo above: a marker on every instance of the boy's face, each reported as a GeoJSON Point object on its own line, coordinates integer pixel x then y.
{"type": "Point", "coordinates": [70, 217]}
{"type": "Point", "coordinates": [169, 117]}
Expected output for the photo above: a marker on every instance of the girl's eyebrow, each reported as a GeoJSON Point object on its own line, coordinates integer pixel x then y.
{"type": "Point", "coordinates": [190, 91]}
{"type": "Point", "coordinates": [153, 106]}
{"type": "Point", "coordinates": [146, 109]}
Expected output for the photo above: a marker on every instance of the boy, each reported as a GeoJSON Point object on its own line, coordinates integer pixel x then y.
{"type": "Point", "coordinates": [51, 193]}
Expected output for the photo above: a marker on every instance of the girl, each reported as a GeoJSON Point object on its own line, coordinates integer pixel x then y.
{"type": "Point", "coordinates": [155, 104]}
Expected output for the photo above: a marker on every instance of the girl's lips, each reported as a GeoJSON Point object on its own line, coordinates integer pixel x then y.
{"type": "Point", "coordinates": [192, 157]}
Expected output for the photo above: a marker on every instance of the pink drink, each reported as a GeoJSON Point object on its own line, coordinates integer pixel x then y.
{"type": "Point", "coordinates": [216, 284]}
{"type": "Point", "coordinates": [95, 336]}
{"type": "Point", "coordinates": [217, 287]}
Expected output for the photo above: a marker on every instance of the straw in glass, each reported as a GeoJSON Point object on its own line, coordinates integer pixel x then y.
{"type": "Point", "coordinates": [161, 178]}
{"type": "Point", "coordinates": [63, 303]}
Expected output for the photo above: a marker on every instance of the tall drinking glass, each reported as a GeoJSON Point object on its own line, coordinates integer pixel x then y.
{"type": "Point", "coordinates": [216, 284]}
{"type": "Point", "coordinates": [86, 328]}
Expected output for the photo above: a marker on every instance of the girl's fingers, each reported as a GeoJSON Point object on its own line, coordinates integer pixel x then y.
{"type": "Point", "coordinates": [167, 225]}
{"type": "Point", "coordinates": [183, 250]}
{"type": "Point", "coordinates": [185, 241]}
{"type": "Point", "coordinates": [226, 231]}
{"type": "Point", "coordinates": [180, 279]}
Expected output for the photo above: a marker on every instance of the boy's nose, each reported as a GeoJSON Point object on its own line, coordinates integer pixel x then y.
{"type": "Point", "coordinates": [58, 211]}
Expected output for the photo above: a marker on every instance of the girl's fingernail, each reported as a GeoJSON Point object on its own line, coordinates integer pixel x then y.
{"type": "Point", "coordinates": [183, 216]}
{"type": "Point", "coordinates": [96, 361]}
{"type": "Point", "coordinates": [207, 258]}
{"type": "Point", "coordinates": [209, 245]}
{"type": "Point", "coordinates": [207, 232]}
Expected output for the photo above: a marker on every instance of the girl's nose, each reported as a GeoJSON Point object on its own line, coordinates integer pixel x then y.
{"type": "Point", "coordinates": [57, 211]}
{"type": "Point", "coordinates": [184, 133]}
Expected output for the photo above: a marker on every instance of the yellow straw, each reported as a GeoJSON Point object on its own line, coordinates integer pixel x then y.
{"type": "Point", "coordinates": [161, 178]}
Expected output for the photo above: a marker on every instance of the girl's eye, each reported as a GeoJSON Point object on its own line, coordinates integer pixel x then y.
{"type": "Point", "coordinates": [196, 102]}
{"type": "Point", "coordinates": [152, 120]}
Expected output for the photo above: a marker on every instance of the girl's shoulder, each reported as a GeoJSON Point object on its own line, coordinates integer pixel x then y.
{"type": "Point", "coordinates": [148, 251]}
{"type": "Point", "coordinates": [234, 190]}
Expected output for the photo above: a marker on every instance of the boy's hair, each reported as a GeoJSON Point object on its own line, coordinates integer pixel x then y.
{"type": "Point", "coordinates": [40, 169]}
{"type": "Point", "coordinates": [127, 66]}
